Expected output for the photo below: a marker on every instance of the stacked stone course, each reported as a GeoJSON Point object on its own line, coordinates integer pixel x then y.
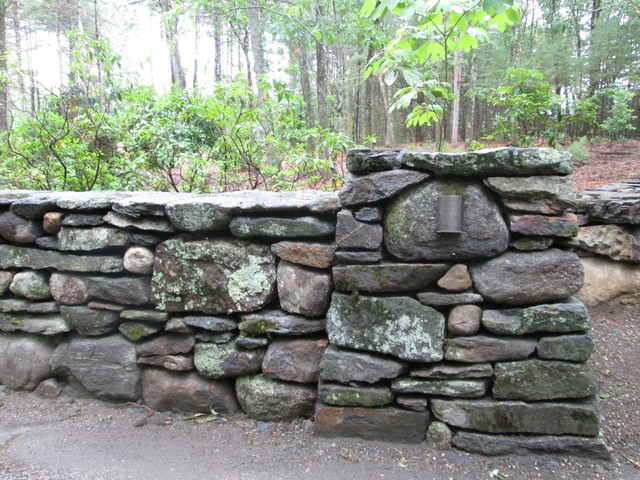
{"type": "Point", "coordinates": [351, 307]}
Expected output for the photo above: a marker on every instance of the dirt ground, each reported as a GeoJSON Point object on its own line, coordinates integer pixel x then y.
{"type": "Point", "coordinates": [608, 162]}
{"type": "Point", "coordinates": [67, 439]}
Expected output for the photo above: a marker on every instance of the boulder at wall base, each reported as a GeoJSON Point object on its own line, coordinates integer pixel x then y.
{"type": "Point", "coordinates": [606, 279]}
{"type": "Point", "coordinates": [411, 224]}
{"type": "Point", "coordinates": [24, 360]}
{"type": "Point", "coordinates": [186, 392]}
{"type": "Point", "coordinates": [535, 379]}
{"type": "Point", "coordinates": [525, 278]}
{"type": "Point", "coordinates": [512, 416]}
{"type": "Point", "coordinates": [492, 445]}
{"type": "Point", "coordinates": [384, 424]}
{"type": "Point", "coordinates": [398, 326]}
{"type": "Point", "coordinates": [226, 360]}
{"type": "Point", "coordinates": [294, 360]}
{"type": "Point", "coordinates": [272, 400]}
{"type": "Point", "coordinates": [103, 366]}
{"type": "Point", "coordinates": [213, 276]}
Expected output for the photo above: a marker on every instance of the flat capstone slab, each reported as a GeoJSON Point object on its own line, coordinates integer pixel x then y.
{"type": "Point", "coordinates": [397, 326]}
{"type": "Point", "coordinates": [213, 276]}
{"type": "Point", "coordinates": [33, 258]}
{"type": "Point", "coordinates": [412, 230]}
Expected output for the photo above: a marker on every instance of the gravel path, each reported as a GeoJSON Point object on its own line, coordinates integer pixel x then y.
{"type": "Point", "coordinates": [67, 439]}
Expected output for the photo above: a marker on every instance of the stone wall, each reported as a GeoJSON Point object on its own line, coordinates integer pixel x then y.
{"type": "Point", "coordinates": [370, 310]}
{"type": "Point", "coordinates": [608, 242]}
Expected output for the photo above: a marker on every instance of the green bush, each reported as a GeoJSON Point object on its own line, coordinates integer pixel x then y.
{"type": "Point", "coordinates": [580, 150]}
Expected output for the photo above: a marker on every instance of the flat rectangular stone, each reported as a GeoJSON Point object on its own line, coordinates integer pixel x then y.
{"type": "Point", "coordinates": [383, 424]}
{"type": "Point", "coordinates": [485, 348]}
{"type": "Point", "coordinates": [446, 388]}
{"type": "Point", "coordinates": [24, 257]}
{"type": "Point", "coordinates": [388, 277]}
{"type": "Point", "coordinates": [495, 416]}
{"type": "Point", "coordinates": [447, 299]}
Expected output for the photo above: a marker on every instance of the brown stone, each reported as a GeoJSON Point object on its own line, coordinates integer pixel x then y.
{"type": "Point", "coordinates": [294, 360]}
{"type": "Point", "coordinates": [384, 424]}
{"type": "Point", "coordinates": [547, 226]}
{"type": "Point", "coordinates": [316, 255]}
{"type": "Point", "coordinates": [456, 279]}
{"type": "Point", "coordinates": [68, 289]}
{"type": "Point", "coordinates": [303, 290]}
{"type": "Point", "coordinates": [168, 344]}
{"type": "Point", "coordinates": [464, 320]}
{"type": "Point", "coordinates": [51, 222]}
{"type": "Point", "coordinates": [178, 363]}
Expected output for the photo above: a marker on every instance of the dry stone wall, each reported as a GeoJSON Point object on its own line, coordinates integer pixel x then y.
{"type": "Point", "coordinates": [381, 311]}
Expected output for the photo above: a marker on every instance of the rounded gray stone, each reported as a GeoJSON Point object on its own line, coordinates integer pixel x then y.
{"type": "Point", "coordinates": [411, 224]}
{"type": "Point", "coordinates": [139, 260]}
{"type": "Point", "coordinates": [31, 284]}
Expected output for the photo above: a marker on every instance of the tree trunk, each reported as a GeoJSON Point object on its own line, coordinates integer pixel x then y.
{"type": "Point", "coordinates": [256, 32]}
{"type": "Point", "coordinates": [4, 87]}
{"type": "Point", "coordinates": [217, 42]}
{"type": "Point", "coordinates": [321, 70]}
{"type": "Point", "coordinates": [389, 135]}
{"type": "Point", "coordinates": [455, 107]}
{"type": "Point", "coordinates": [178, 77]}
{"type": "Point", "coordinates": [305, 86]}
{"type": "Point", "coordinates": [470, 129]}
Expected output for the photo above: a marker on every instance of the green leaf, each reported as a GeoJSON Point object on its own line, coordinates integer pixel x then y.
{"type": "Point", "coordinates": [466, 42]}
{"type": "Point", "coordinates": [513, 15]}
{"type": "Point", "coordinates": [390, 77]}
{"type": "Point", "coordinates": [412, 77]}
{"type": "Point", "coordinates": [368, 7]}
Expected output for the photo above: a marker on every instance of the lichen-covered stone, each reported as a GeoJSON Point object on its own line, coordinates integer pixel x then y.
{"type": "Point", "coordinates": [447, 299]}
{"type": "Point", "coordinates": [213, 276]}
{"type": "Point", "coordinates": [534, 380]}
{"type": "Point", "coordinates": [546, 194]}
{"type": "Point", "coordinates": [186, 392]}
{"type": "Point", "coordinates": [484, 348]}
{"type": "Point", "coordinates": [296, 360]}
{"type": "Point", "coordinates": [226, 360]}
{"type": "Point", "coordinates": [347, 366]}
{"type": "Point", "coordinates": [546, 226]}
{"type": "Point", "coordinates": [303, 290]}
{"type": "Point", "coordinates": [6, 277]}
{"type": "Point", "coordinates": [278, 322]}
{"type": "Point", "coordinates": [513, 416]}
{"type": "Point", "coordinates": [50, 324]}
{"type": "Point", "coordinates": [80, 220]}
{"type": "Point", "coordinates": [24, 360]}
{"type": "Point", "coordinates": [411, 224]}
{"type": "Point", "coordinates": [521, 278]}
{"type": "Point", "coordinates": [492, 161]}
{"type": "Point", "coordinates": [22, 257]}
{"type": "Point", "coordinates": [527, 244]}
{"type": "Point", "coordinates": [453, 371]}
{"type": "Point", "coordinates": [345, 396]}
{"type": "Point", "coordinates": [467, 388]}
{"type": "Point", "coordinates": [31, 284]}
{"type": "Point", "coordinates": [213, 324]}
{"type": "Point", "coordinates": [104, 366]}
{"type": "Point", "coordinates": [369, 214]}
{"type": "Point", "coordinates": [147, 224]}
{"type": "Point", "coordinates": [139, 260]}
{"type": "Point", "coordinates": [277, 227]}
{"type": "Point", "coordinates": [14, 305]}
{"type": "Point", "coordinates": [351, 233]}
{"type": "Point", "coordinates": [614, 241]}
{"type": "Point", "coordinates": [17, 229]}
{"type": "Point", "coordinates": [138, 330]}
{"type": "Point", "coordinates": [89, 239]}
{"type": "Point", "coordinates": [567, 316]}
{"type": "Point", "coordinates": [177, 363]}
{"type": "Point", "coordinates": [316, 255]}
{"type": "Point", "coordinates": [439, 436]}
{"type": "Point", "coordinates": [367, 161]}
{"type": "Point", "coordinates": [572, 348]}
{"type": "Point", "coordinates": [154, 316]}
{"type": "Point", "coordinates": [383, 424]}
{"type": "Point", "coordinates": [273, 400]}
{"type": "Point", "coordinates": [398, 326]}
{"type": "Point", "coordinates": [569, 445]}
{"type": "Point", "coordinates": [378, 186]}
{"type": "Point", "coordinates": [87, 321]}
{"type": "Point", "coordinates": [386, 277]}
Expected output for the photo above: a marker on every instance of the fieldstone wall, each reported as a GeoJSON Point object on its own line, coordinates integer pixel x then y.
{"type": "Point", "coordinates": [357, 308]}
{"type": "Point", "coordinates": [608, 242]}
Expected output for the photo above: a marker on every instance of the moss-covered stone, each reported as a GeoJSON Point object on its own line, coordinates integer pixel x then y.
{"type": "Point", "coordinates": [345, 396]}
{"type": "Point", "coordinates": [138, 330]}
{"type": "Point", "coordinates": [226, 360]}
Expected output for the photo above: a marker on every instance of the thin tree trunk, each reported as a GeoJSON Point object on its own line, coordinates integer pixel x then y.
{"type": "Point", "coordinates": [196, 42]}
{"type": "Point", "coordinates": [305, 86]}
{"type": "Point", "coordinates": [256, 32]}
{"type": "Point", "coordinates": [470, 129]}
{"type": "Point", "coordinates": [389, 136]}
{"type": "Point", "coordinates": [178, 77]}
{"type": "Point", "coordinates": [17, 32]}
{"type": "Point", "coordinates": [217, 42]}
{"type": "Point", "coordinates": [455, 107]}
{"type": "Point", "coordinates": [4, 87]}
{"type": "Point", "coordinates": [321, 70]}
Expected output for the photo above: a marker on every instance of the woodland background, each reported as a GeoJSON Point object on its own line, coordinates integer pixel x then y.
{"type": "Point", "coordinates": [264, 94]}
